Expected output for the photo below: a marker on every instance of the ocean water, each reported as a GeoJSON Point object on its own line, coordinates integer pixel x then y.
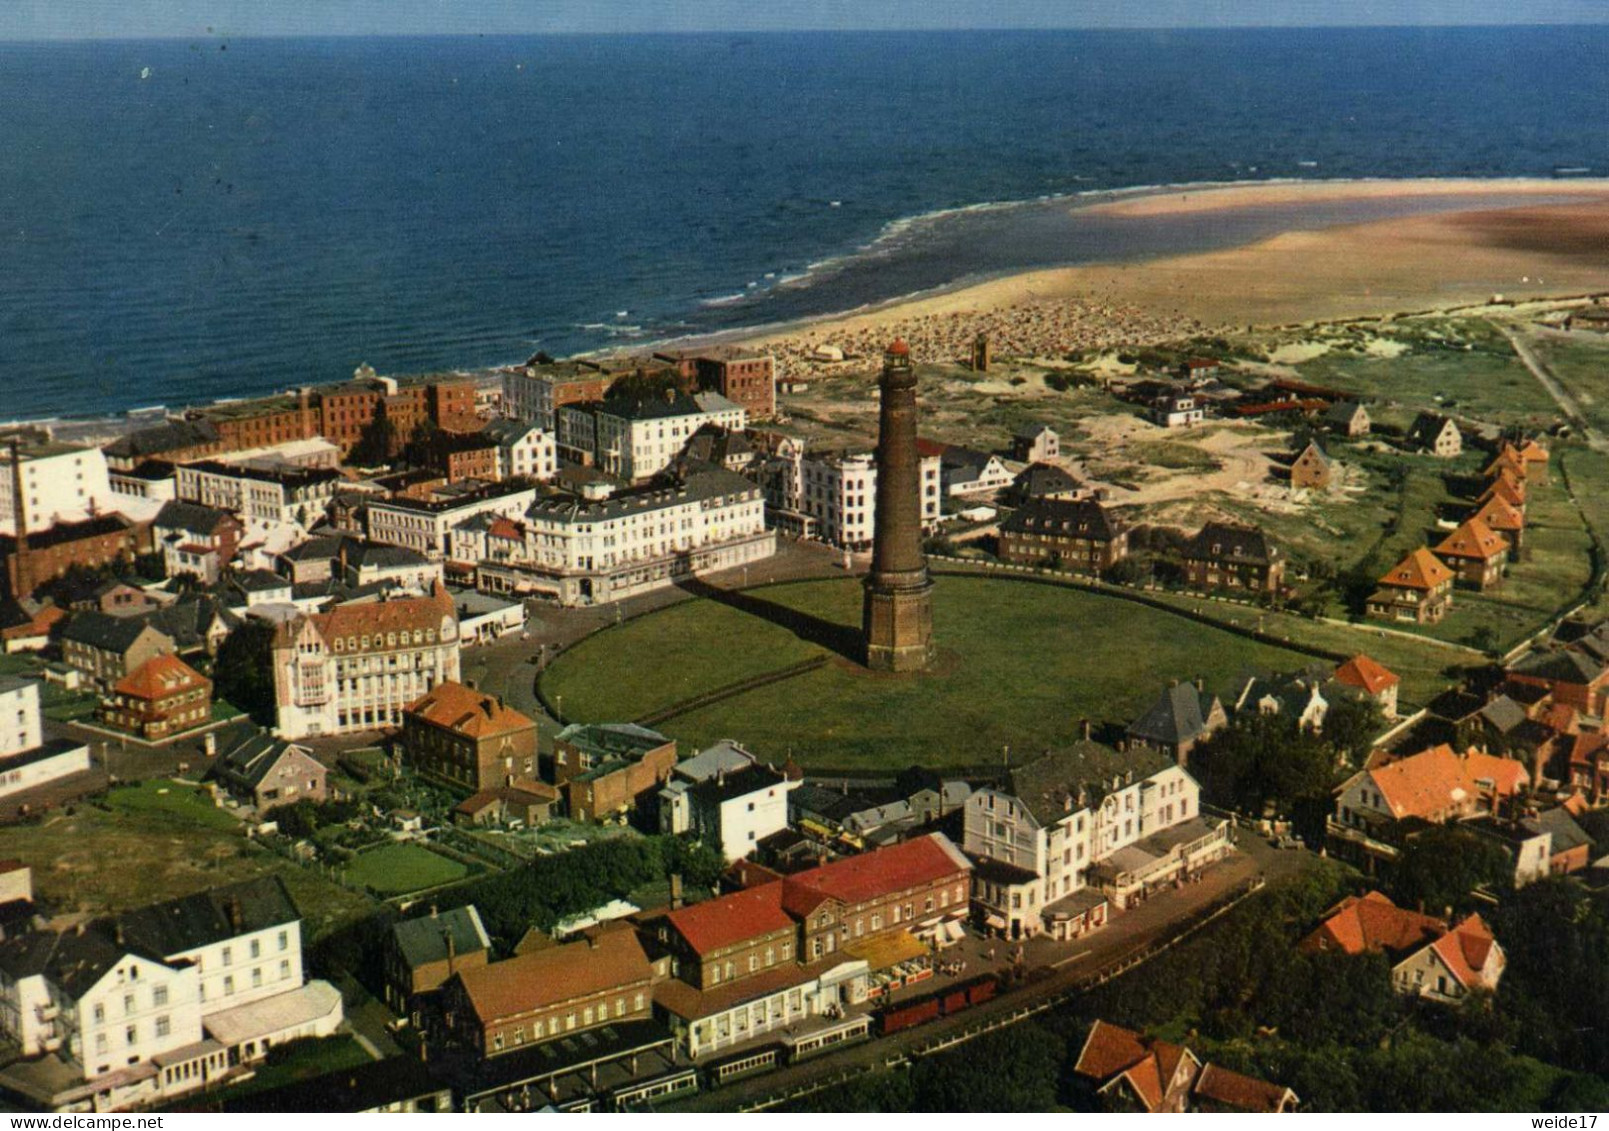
{"type": "Point", "coordinates": [186, 220]}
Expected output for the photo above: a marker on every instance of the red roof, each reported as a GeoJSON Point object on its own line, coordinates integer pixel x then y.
{"type": "Point", "coordinates": [1419, 570]}
{"type": "Point", "coordinates": [1360, 671]}
{"type": "Point", "coordinates": [1465, 950]}
{"type": "Point", "coordinates": [1473, 540]}
{"type": "Point", "coordinates": [730, 919]}
{"type": "Point", "coordinates": [506, 528]}
{"type": "Point", "coordinates": [860, 879]}
{"type": "Point", "coordinates": [1359, 925]}
{"type": "Point", "coordinates": [159, 677]}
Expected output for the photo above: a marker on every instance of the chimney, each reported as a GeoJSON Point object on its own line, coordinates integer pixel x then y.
{"type": "Point", "coordinates": [675, 891]}
{"type": "Point", "coordinates": [1084, 728]}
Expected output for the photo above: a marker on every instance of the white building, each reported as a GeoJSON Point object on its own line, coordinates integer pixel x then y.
{"type": "Point", "coordinates": [422, 525]}
{"type": "Point", "coordinates": [276, 496]}
{"type": "Point", "coordinates": [636, 438]}
{"type": "Point", "coordinates": [524, 449]}
{"type": "Point", "coordinates": [583, 552]}
{"type": "Point", "coordinates": [727, 798]}
{"type": "Point", "coordinates": [20, 727]}
{"type": "Point", "coordinates": [356, 667]}
{"type": "Point", "coordinates": [26, 759]}
{"type": "Point", "coordinates": [1178, 411]}
{"type": "Point", "coordinates": [160, 1001]}
{"type": "Point", "coordinates": [833, 496]}
{"type": "Point", "coordinates": [61, 483]}
{"type": "Point", "coordinates": [534, 393]}
{"type": "Point", "coordinates": [1088, 818]}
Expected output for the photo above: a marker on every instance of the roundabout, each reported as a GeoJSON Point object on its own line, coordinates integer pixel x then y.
{"type": "Point", "coordinates": [1021, 664]}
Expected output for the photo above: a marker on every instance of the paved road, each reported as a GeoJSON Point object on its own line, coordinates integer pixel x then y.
{"type": "Point", "coordinates": [1070, 962]}
{"type": "Point", "coordinates": [1555, 388]}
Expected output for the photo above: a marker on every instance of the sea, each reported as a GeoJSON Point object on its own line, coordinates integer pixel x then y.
{"type": "Point", "coordinates": [188, 220]}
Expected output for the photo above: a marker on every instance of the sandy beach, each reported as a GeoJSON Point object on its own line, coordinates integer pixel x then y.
{"type": "Point", "coordinates": [1422, 262]}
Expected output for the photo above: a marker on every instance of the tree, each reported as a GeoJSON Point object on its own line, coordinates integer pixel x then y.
{"type": "Point", "coordinates": [377, 442]}
{"type": "Point", "coordinates": [1441, 865]}
{"type": "Point", "coordinates": [1351, 725]}
{"type": "Point", "coordinates": [244, 672]}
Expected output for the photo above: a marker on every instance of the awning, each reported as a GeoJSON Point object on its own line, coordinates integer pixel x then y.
{"type": "Point", "coordinates": [995, 921]}
{"type": "Point", "coordinates": [952, 931]}
{"type": "Point", "coordinates": [888, 950]}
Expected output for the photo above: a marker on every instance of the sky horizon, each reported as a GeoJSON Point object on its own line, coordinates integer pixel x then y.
{"type": "Point", "coordinates": [35, 20]}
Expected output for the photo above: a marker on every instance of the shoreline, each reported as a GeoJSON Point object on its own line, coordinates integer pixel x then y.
{"type": "Point", "coordinates": [980, 295]}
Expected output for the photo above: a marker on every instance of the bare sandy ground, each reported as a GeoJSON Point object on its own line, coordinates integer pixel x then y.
{"type": "Point", "coordinates": [1433, 261]}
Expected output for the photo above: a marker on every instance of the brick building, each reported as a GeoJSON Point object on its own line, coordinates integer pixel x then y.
{"type": "Point", "coordinates": [106, 648]}
{"type": "Point", "coordinates": [1228, 555]}
{"type": "Point", "coordinates": [44, 555]}
{"type": "Point", "coordinates": [742, 375]}
{"type": "Point", "coordinates": [162, 697]}
{"type": "Point", "coordinates": [422, 953]}
{"type": "Point", "coordinates": [1419, 589]}
{"type": "Point", "coordinates": [1082, 537]}
{"type": "Point", "coordinates": [603, 979]}
{"type": "Point", "coordinates": [607, 769]}
{"type": "Point", "coordinates": [470, 740]}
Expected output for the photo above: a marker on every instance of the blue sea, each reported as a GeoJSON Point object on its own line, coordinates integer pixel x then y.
{"type": "Point", "coordinates": [187, 220]}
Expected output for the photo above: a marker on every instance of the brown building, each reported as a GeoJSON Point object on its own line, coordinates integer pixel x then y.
{"type": "Point", "coordinates": [546, 994]}
{"type": "Point", "coordinates": [460, 736]}
{"type": "Point", "coordinates": [1476, 554]}
{"type": "Point", "coordinates": [731, 938]}
{"type": "Point", "coordinates": [1082, 537]}
{"type": "Point", "coordinates": [264, 771]}
{"type": "Point", "coordinates": [107, 648]}
{"type": "Point", "coordinates": [897, 615]}
{"type": "Point", "coordinates": [811, 915]}
{"type": "Point", "coordinates": [45, 555]}
{"type": "Point", "coordinates": [744, 376]}
{"type": "Point", "coordinates": [606, 770]}
{"type": "Point", "coordinates": [527, 801]}
{"type": "Point", "coordinates": [1231, 556]}
{"type": "Point", "coordinates": [1312, 470]}
{"type": "Point", "coordinates": [162, 697]}
{"type": "Point", "coordinates": [1419, 589]}
{"type": "Point", "coordinates": [348, 412]}
{"type": "Point", "coordinates": [422, 953]}
{"type": "Point", "coordinates": [465, 455]}
{"type": "Point", "coordinates": [1506, 522]}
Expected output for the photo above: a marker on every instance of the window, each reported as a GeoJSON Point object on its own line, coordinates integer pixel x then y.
{"type": "Point", "coordinates": [159, 995]}
{"type": "Point", "coordinates": [256, 976]}
{"type": "Point", "coordinates": [131, 1035]}
{"type": "Point", "coordinates": [256, 948]}
{"type": "Point", "coordinates": [229, 984]}
{"type": "Point", "coordinates": [128, 1003]}
{"type": "Point", "coordinates": [163, 1026]}
{"type": "Point", "coordinates": [284, 968]}
{"type": "Point", "coordinates": [228, 955]}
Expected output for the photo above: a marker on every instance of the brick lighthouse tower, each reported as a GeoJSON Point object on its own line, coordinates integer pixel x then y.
{"type": "Point", "coordinates": [899, 594]}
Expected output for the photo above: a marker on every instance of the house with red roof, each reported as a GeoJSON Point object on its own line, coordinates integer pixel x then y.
{"type": "Point", "coordinates": [1418, 589]}
{"type": "Point", "coordinates": [162, 697]}
{"type": "Point", "coordinates": [1436, 785]}
{"type": "Point", "coordinates": [1505, 520]}
{"type": "Point", "coordinates": [1373, 679]}
{"type": "Point", "coordinates": [1429, 959]}
{"type": "Point", "coordinates": [1476, 553]}
{"type": "Point", "coordinates": [1132, 1072]}
{"type": "Point", "coordinates": [808, 944]}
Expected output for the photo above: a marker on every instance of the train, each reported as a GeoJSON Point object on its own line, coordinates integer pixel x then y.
{"type": "Point", "coordinates": [945, 1003]}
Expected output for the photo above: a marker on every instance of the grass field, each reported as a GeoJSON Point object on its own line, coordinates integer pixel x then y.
{"type": "Point", "coordinates": [1021, 665]}
{"type": "Point", "coordinates": [144, 847]}
{"type": "Point", "coordinates": [398, 869]}
{"type": "Point", "coordinates": [1460, 366]}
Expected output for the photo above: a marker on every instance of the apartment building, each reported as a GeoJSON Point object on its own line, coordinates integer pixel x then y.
{"type": "Point", "coordinates": [833, 495]}
{"type": "Point", "coordinates": [60, 483]}
{"type": "Point", "coordinates": [358, 666]}
{"type": "Point", "coordinates": [580, 551]}
{"type": "Point", "coordinates": [273, 495]}
{"type": "Point", "coordinates": [423, 524]}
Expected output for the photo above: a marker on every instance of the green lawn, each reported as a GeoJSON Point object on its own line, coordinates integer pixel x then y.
{"type": "Point", "coordinates": [168, 799]}
{"type": "Point", "coordinates": [1465, 363]}
{"type": "Point", "coordinates": [1022, 664]}
{"type": "Point", "coordinates": [400, 868]}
